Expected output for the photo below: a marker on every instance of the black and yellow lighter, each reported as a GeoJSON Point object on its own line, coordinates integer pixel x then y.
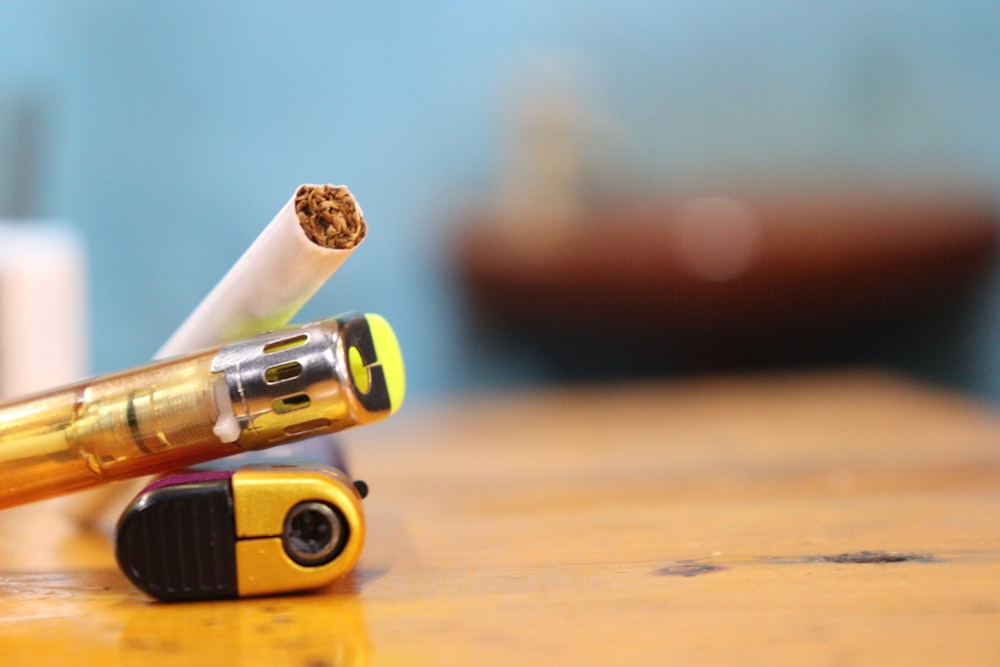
{"type": "Point", "coordinates": [257, 392]}
{"type": "Point", "coordinates": [259, 530]}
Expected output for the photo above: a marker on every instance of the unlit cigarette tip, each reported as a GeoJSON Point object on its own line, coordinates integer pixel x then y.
{"type": "Point", "coordinates": [330, 216]}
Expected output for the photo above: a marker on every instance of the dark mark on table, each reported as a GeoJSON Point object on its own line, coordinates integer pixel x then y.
{"type": "Point", "coordinates": [878, 557]}
{"type": "Point", "coordinates": [691, 569]}
{"type": "Point", "coordinates": [318, 662]}
{"type": "Point", "coordinates": [694, 568]}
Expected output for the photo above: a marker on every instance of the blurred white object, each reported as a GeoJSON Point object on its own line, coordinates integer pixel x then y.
{"type": "Point", "coordinates": [43, 307]}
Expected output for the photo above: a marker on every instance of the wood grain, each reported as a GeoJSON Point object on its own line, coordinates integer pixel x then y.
{"type": "Point", "coordinates": [840, 519]}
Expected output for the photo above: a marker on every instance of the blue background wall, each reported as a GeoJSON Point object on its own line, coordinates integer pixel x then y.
{"type": "Point", "coordinates": [170, 133]}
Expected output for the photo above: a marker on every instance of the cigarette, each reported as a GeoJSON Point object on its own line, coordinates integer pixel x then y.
{"type": "Point", "coordinates": [305, 243]}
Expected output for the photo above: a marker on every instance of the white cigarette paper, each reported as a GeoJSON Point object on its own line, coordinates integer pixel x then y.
{"type": "Point", "coordinates": [305, 243]}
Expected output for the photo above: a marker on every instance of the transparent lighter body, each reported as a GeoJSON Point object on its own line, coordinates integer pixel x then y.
{"type": "Point", "coordinates": [258, 392]}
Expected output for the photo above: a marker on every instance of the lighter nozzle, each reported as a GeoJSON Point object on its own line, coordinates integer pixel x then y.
{"type": "Point", "coordinates": [311, 379]}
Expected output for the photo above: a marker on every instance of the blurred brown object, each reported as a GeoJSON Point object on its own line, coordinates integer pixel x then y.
{"type": "Point", "coordinates": [725, 280]}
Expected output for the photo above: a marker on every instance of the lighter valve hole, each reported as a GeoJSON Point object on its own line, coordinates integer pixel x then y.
{"type": "Point", "coordinates": [307, 427]}
{"type": "Point", "coordinates": [283, 372]}
{"type": "Point", "coordinates": [291, 403]}
{"type": "Point", "coordinates": [285, 344]}
{"type": "Point", "coordinates": [314, 533]}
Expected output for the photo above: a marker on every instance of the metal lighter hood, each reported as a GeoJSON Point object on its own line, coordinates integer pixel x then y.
{"type": "Point", "coordinates": [294, 382]}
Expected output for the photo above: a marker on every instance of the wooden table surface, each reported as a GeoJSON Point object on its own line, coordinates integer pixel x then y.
{"type": "Point", "coordinates": [838, 519]}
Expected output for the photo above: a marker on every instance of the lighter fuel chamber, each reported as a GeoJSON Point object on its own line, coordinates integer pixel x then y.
{"type": "Point", "coordinates": [256, 531]}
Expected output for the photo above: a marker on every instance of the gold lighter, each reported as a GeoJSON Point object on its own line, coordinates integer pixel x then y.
{"type": "Point", "coordinates": [258, 392]}
{"type": "Point", "coordinates": [258, 530]}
